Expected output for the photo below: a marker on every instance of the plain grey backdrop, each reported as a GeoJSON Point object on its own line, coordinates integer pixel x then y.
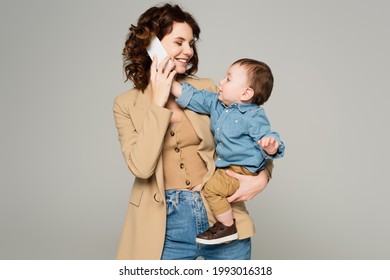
{"type": "Point", "coordinates": [64, 183]}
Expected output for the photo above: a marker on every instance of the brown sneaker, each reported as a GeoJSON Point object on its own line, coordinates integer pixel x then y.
{"type": "Point", "coordinates": [217, 234]}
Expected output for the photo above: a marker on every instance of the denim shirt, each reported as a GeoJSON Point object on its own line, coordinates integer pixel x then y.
{"type": "Point", "coordinates": [236, 128]}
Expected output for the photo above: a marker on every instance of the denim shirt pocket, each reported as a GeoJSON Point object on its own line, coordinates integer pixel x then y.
{"type": "Point", "coordinates": [235, 128]}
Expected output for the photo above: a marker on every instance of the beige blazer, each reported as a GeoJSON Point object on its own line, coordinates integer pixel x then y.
{"type": "Point", "coordinates": [141, 130]}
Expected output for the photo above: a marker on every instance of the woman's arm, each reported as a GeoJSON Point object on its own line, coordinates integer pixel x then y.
{"type": "Point", "coordinates": [250, 186]}
{"type": "Point", "coordinates": [141, 131]}
{"type": "Point", "coordinates": [141, 145]}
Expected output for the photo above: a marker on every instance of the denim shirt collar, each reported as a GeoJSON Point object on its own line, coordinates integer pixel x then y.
{"type": "Point", "coordinates": [242, 107]}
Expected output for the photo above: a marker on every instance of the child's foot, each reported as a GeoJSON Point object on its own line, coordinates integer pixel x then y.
{"type": "Point", "coordinates": [217, 234]}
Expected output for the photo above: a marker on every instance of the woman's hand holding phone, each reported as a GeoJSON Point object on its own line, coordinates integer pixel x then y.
{"type": "Point", "coordinates": [161, 78]}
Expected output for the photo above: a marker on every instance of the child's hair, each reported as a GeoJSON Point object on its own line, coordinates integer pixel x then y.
{"type": "Point", "coordinates": [260, 79]}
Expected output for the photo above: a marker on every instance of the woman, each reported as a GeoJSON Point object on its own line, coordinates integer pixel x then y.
{"type": "Point", "coordinates": [170, 151]}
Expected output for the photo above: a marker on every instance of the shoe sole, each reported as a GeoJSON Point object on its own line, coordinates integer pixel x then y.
{"type": "Point", "coordinates": [217, 241]}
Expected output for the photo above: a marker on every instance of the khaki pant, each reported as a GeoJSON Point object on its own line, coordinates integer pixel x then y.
{"type": "Point", "coordinates": [221, 186]}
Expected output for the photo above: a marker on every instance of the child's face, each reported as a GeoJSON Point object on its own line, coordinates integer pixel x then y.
{"type": "Point", "coordinates": [233, 85]}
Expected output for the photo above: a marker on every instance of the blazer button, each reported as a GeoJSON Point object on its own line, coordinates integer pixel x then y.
{"type": "Point", "coordinates": [177, 149]}
{"type": "Point", "coordinates": [157, 197]}
{"type": "Point", "coordinates": [172, 133]}
{"type": "Point", "coordinates": [188, 182]}
{"type": "Point", "coordinates": [181, 165]}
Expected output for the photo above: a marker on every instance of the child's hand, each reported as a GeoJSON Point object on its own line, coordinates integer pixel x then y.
{"type": "Point", "coordinates": [269, 145]}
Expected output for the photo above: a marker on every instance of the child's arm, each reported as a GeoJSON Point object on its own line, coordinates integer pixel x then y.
{"type": "Point", "coordinates": [199, 101]}
{"type": "Point", "coordinates": [176, 89]}
{"type": "Point", "coordinates": [264, 138]}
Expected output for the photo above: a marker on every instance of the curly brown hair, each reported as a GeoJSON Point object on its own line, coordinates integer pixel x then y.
{"type": "Point", "coordinates": [260, 79]}
{"type": "Point", "coordinates": [156, 21]}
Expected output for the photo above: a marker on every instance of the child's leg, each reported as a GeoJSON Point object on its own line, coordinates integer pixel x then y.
{"type": "Point", "coordinates": [216, 191]}
{"type": "Point", "coordinates": [225, 218]}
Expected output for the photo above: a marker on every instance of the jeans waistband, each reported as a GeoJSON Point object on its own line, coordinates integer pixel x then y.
{"type": "Point", "coordinates": [181, 195]}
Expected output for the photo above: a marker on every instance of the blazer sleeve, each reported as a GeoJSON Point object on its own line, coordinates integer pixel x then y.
{"type": "Point", "coordinates": [141, 144]}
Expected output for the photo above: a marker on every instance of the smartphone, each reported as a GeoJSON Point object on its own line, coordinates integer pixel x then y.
{"type": "Point", "coordinates": [156, 48]}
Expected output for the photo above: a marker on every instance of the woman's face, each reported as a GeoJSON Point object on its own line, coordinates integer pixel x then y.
{"type": "Point", "coordinates": [179, 45]}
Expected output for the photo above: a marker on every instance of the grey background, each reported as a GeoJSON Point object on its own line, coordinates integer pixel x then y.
{"type": "Point", "coordinates": [64, 184]}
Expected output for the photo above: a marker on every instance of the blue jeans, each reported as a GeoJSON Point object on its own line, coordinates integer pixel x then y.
{"type": "Point", "coordinates": [186, 218]}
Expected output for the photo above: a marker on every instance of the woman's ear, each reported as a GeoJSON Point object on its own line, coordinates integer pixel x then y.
{"type": "Point", "coordinates": [247, 95]}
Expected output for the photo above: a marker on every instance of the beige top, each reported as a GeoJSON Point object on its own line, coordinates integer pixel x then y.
{"type": "Point", "coordinates": [182, 166]}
